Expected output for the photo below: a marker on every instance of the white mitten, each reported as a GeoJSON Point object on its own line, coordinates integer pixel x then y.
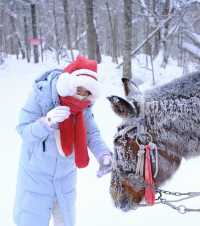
{"type": "Point", "coordinates": [105, 165]}
{"type": "Point", "coordinates": [57, 114]}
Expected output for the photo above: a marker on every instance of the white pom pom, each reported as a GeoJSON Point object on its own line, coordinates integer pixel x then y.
{"type": "Point", "coordinates": [65, 85]}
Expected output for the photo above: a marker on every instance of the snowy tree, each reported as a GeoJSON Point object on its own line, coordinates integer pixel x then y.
{"type": "Point", "coordinates": [95, 27]}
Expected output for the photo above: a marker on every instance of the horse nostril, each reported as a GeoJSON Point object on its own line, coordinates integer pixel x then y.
{"type": "Point", "coordinates": [124, 204]}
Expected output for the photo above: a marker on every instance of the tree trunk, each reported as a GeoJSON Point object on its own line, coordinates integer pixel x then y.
{"type": "Point", "coordinates": [41, 45]}
{"type": "Point", "coordinates": [115, 27]}
{"type": "Point", "coordinates": [153, 25]}
{"type": "Point", "coordinates": [98, 53]}
{"type": "Point", "coordinates": [113, 33]}
{"type": "Point", "coordinates": [56, 33]}
{"type": "Point", "coordinates": [1, 38]}
{"type": "Point", "coordinates": [165, 31]}
{"type": "Point", "coordinates": [26, 41]}
{"type": "Point", "coordinates": [76, 30]}
{"type": "Point", "coordinates": [180, 43]}
{"type": "Point", "coordinates": [91, 32]}
{"type": "Point", "coordinates": [67, 28]}
{"type": "Point", "coordinates": [66, 19]}
{"type": "Point", "coordinates": [14, 29]}
{"type": "Point", "coordinates": [127, 71]}
{"type": "Point", "coordinates": [34, 31]}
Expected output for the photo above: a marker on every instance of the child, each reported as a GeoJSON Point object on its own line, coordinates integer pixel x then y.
{"type": "Point", "coordinates": [56, 125]}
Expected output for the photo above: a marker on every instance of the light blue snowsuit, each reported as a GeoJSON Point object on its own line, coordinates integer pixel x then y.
{"type": "Point", "coordinates": [44, 175]}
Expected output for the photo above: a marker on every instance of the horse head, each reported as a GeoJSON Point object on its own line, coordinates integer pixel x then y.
{"type": "Point", "coordinates": [166, 117]}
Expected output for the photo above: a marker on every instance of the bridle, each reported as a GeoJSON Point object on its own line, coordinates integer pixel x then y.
{"type": "Point", "coordinates": [136, 177]}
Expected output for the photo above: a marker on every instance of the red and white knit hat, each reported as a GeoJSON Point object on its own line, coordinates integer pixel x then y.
{"type": "Point", "coordinates": [81, 72]}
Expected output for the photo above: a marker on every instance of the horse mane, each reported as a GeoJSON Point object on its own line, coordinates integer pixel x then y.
{"type": "Point", "coordinates": [183, 87]}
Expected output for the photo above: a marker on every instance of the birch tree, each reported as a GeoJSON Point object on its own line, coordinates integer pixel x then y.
{"type": "Point", "coordinates": [95, 27]}
{"type": "Point", "coordinates": [113, 26]}
{"type": "Point", "coordinates": [127, 71]}
{"type": "Point", "coordinates": [166, 12]}
{"type": "Point", "coordinates": [34, 32]}
{"type": "Point", "coordinates": [93, 51]}
{"type": "Point", "coordinates": [2, 50]}
{"type": "Point", "coordinates": [67, 26]}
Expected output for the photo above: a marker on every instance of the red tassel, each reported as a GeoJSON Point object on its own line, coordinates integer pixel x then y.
{"type": "Point", "coordinates": [149, 190]}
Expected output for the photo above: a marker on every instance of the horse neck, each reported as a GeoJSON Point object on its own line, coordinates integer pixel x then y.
{"type": "Point", "coordinates": [174, 124]}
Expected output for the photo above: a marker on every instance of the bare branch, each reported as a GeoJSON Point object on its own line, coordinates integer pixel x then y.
{"type": "Point", "coordinates": [193, 36]}
{"type": "Point", "coordinates": [192, 49]}
{"type": "Point", "coordinates": [150, 36]}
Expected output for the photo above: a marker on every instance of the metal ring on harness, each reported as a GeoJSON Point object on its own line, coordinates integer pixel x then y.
{"type": "Point", "coordinates": [144, 134]}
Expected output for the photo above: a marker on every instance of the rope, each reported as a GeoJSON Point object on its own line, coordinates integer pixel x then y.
{"type": "Point", "coordinates": [140, 163]}
{"type": "Point", "coordinates": [154, 149]}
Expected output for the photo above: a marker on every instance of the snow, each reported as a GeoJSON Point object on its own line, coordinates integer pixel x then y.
{"type": "Point", "coordinates": [94, 204]}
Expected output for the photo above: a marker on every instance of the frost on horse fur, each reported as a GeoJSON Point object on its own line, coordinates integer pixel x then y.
{"type": "Point", "coordinates": [171, 115]}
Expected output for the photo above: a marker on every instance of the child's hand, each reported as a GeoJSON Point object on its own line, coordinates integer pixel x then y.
{"type": "Point", "coordinates": [57, 114]}
{"type": "Point", "coordinates": [105, 165]}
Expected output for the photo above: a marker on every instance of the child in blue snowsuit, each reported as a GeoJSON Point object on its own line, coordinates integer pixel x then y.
{"type": "Point", "coordinates": [53, 147]}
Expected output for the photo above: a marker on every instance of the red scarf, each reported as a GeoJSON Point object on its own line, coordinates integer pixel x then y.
{"type": "Point", "coordinates": [73, 131]}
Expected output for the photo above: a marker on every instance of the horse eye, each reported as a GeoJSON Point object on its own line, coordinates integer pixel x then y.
{"type": "Point", "coordinates": [117, 141]}
{"type": "Point", "coordinates": [120, 128]}
{"type": "Point", "coordinates": [132, 132]}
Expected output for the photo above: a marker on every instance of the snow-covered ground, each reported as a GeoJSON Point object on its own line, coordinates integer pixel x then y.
{"type": "Point", "coordinates": [94, 204]}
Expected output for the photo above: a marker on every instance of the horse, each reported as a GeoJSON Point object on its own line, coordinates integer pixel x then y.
{"type": "Point", "coordinates": [167, 116]}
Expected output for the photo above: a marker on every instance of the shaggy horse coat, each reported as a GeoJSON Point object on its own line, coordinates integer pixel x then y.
{"type": "Point", "coordinates": [170, 114]}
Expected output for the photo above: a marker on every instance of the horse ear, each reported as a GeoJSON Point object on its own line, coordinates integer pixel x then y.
{"type": "Point", "coordinates": [123, 108]}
